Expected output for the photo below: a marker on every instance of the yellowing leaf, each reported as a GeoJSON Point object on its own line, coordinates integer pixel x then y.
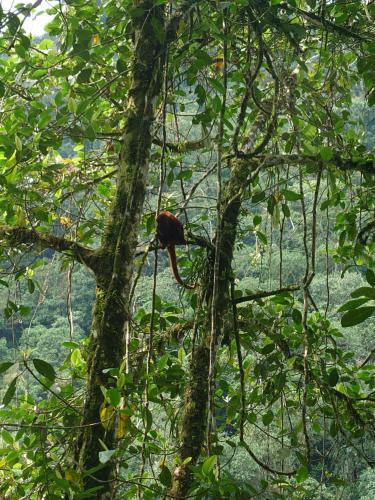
{"type": "Point", "coordinates": [65, 221]}
{"type": "Point", "coordinates": [107, 414]}
{"type": "Point", "coordinates": [71, 475]}
{"type": "Point", "coordinates": [122, 425]}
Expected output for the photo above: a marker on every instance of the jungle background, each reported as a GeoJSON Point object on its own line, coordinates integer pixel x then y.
{"type": "Point", "coordinates": [253, 122]}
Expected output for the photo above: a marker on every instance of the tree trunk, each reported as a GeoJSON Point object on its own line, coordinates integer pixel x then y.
{"type": "Point", "coordinates": [196, 395]}
{"type": "Point", "coordinates": [111, 309]}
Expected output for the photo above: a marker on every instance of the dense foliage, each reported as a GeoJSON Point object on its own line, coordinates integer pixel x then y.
{"type": "Point", "coordinates": [253, 121]}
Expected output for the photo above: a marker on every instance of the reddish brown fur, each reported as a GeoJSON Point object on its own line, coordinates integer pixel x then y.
{"type": "Point", "coordinates": [170, 232]}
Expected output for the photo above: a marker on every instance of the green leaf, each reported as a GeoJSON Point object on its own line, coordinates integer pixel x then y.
{"type": "Point", "coordinates": [370, 277]}
{"type": "Point", "coordinates": [10, 392]}
{"type": "Point", "coordinates": [268, 348]}
{"type": "Point", "coordinates": [364, 291]}
{"type": "Point", "coordinates": [24, 310]}
{"type": "Point", "coordinates": [356, 316]}
{"type": "Point", "coordinates": [18, 143]}
{"type": "Point", "coordinates": [121, 66]}
{"type": "Point", "coordinates": [44, 368]}
{"type": "Point", "coordinates": [5, 366]}
{"type": "Point", "coordinates": [285, 209]}
{"type": "Point", "coordinates": [257, 220]}
{"type": "Point", "coordinates": [72, 105]}
{"type": "Point", "coordinates": [302, 474]}
{"type": "Point", "coordinates": [352, 304]}
{"type": "Point", "coordinates": [326, 153]}
{"type": "Point", "coordinates": [7, 436]}
{"type": "Point", "coordinates": [217, 85]}
{"type": "Point", "coordinates": [209, 464]}
{"type": "Point", "coordinates": [30, 285]}
{"type": "Point", "coordinates": [291, 195]}
{"type": "Point", "coordinates": [267, 417]}
{"type": "Point", "coordinates": [262, 237]}
{"type": "Point", "coordinates": [258, 197]}
{"type": "Point", "coordinates": [2, 89]}
{"type": "Point", "coordinates": [162, 363]}
{"type": "Point", "coordinates": [297, 316]}
{"type": "Point", "coordinates": [114, 396]}
{"type": "Point", "coordinates": [84, 75]}
{"type": "Point", "coordinates": [38, 74]}
{"type": "Point", "coordinates": [70, 345]}
{"type": "Point", "coordinates": [165, 476]}
{"type": "Point", "coordinates": [333, 377]}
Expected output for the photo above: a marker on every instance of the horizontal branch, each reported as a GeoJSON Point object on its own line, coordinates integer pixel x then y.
{"type": "Point", "coordinates": [21, 235]}
{"type": "Point", "coordinates": [262, 295]}
{"type": "Point", "coordinates": [364, 165]}
{"type": "Point", "coordinates": [320, 22]}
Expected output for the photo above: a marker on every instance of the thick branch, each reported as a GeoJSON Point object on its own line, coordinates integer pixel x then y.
{"type": "Point", "coordinates": [21, 235]}
{"type": "Point", "coordinates": [262, 295]}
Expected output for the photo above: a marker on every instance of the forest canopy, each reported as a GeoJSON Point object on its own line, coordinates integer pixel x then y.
{"type": "Point", "coordinates": [252, 376]}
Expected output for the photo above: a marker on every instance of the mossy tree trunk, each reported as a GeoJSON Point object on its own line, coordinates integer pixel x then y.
{"type": "Point", "coordinates": [196, 395]}
{"type": "Point", "coordinates": [113, 276]}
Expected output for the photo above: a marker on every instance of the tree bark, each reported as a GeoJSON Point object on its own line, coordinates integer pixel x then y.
{"type": "Point", "coordinates": [111, 310]}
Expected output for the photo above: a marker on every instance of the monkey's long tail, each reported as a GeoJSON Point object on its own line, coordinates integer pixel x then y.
{"type": "Point", "coordinates": [173, 263]}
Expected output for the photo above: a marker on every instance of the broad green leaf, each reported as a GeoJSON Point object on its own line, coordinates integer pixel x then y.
{"type": "Point", "coordinates": [162, 363]}
{"type": "Point", "coordinates": [297, 316]}
{"type": "Point", "coordinates": [356, 316]}
{"type": "Point", "coordinates": [72, 105]}
{"type": "Point", "coordinates": [7, 436]}
{"type": "Point", "coordinates": [333, 377]}
{"type": "Point", "coordinates": [364, 291]}
{"type": "Point", "coordinates": [326, 153]}
{"type": "Point", "coordinates": [267, 417]}
{"type": "Point", "coordinates": [84, 75]}
{"type": "Point", "coordinates": [291, 195]}
{"type": "Point", "coordinates": [209, 464]}
{"type": "Point", "coordinates": [76, 356]}
{"type": "Point", "coordinates": [257, 220]}
{"type": "Point", "coordinates": [352, 304]}
{"type": "Point", "coordinates": [44, 368]}
{"type": "Point", "coordinates": [10, 392]}
{"type": "Point", "coordinates": [30, 285]}
{"type": "Point", "coordinates": [114, 396]}
{"type": "Point", "coordinates": [121, 66]}
{"type": "Point", "coordinates": [165, 476]}
{"type": "Point", "coordinates": [302, 474]}
{"type": "Point", "coordinates": [5, 366]}
{"type": "Point", "coordinates": [216, 84]}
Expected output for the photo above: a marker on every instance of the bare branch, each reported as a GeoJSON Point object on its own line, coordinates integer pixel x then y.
{"type": "Point", "coordinates": [262, 295]}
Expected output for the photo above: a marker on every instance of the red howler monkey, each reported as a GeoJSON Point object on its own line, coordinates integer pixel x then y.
{"type": "Point", "coordinates": [170, 232]}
